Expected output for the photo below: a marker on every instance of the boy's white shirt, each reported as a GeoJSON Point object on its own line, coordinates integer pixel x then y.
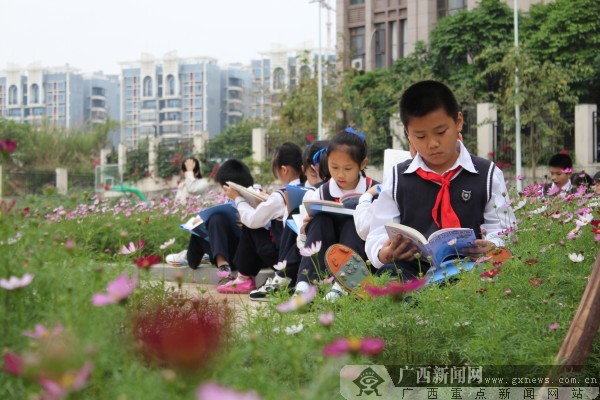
{"type": "Point", "coordinates": [270, 209]}
{"type": "Point", "coordinates": [498, 215]}
{"type": "Point", "coordinates": [363, 214]}
{"type": "Point", "coordinates": [336, 192]}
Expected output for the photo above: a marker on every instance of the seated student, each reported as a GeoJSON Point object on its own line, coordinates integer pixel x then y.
{"type": "Point", "coordinates": [442, 187]}
{"type": "Point", "coordinates": [288, 250]}
{"type": "Point", "coordinates": [582, 179]}
{"type": "Point", "coordinates": [193, 183]}
{"type": "Point", "coordinates": [223, 238]}
{"type": "Point", "coordinates": [258, 246]}
{"type": "Point", "coordinates": [347, 159]}
{"type": "Point", "coordinates": [561, 168]}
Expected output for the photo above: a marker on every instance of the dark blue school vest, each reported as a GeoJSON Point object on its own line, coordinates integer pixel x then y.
{"type": "Point", "coordinates": [469, 194]}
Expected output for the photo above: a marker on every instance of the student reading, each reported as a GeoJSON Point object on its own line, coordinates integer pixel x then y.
{"type": "Point", "coordinates": [442, 187]}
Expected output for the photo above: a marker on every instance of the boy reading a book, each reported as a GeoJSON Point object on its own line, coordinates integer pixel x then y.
{"type": "Point", "coordinates": [442, 187]}
{"type": "Point", "coordinates": [223, 237]}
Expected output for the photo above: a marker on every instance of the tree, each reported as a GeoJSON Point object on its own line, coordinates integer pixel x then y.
{"type": "Point", "coordinates": [543, 90]}
{"type": "Point", "coordinates": [458, 41]}
{"type": "Point", "coordinates": [567, 32]}
{"type": "Point", "coordinates": [235, 142]}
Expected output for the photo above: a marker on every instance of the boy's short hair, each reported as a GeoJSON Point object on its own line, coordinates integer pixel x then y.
{"type": "Point", "coordinates": [560, 160]}
{"type": "Point", "coordinates": [235, 171]}
{"type": "Point", "coordinates": [424, 97]}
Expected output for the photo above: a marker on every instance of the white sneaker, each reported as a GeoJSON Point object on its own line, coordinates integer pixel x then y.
{"type": "Point", "coordinates": [177, 259]}
{"type": "Point", "coordinates": [335, 293]}
{"type": "Point", "coordinates": [271, 286]}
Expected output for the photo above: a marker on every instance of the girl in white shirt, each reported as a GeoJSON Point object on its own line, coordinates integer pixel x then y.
{"type": "Point", "coordinates": [193, 183]}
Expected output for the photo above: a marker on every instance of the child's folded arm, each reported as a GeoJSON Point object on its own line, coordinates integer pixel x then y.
{"type": "Point", "coordinates": [384, 210]}
{"type": "Point", "coordinates": [260, 216]}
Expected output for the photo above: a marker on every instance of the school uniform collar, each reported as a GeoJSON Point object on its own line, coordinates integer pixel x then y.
{"type": "Point", "coordinates": [295, 182]}
{"type": "Point", "coordinates": [336, 192]}
{"type": "Point", "coordinates": [464, 160]}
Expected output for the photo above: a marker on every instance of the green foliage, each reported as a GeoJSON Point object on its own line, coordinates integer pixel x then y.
{"type": "Point", "coordinates": [235, 142]}
{"type": "Point", "coordinates": [567, 32]}
{"type": "Point", "coordinates": [458, 40]}
{"type": "Point", "coordinates": [171, 155]}
{"type": "Point", "coordinates": [137, 165]}
{"type": "Point", "coordinates": [543, 90]}
{"type": "Point", "coordinates": [469, 320]}
{"type": "Point", "coordinates": [47, 148]}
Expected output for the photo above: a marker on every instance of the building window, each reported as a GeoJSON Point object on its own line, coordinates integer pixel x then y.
{"type": "Point", "coordinates": [304, 72]}
{"type": "Point", "coordinates": [380, 53]}
{"type": "Point", "coordinates": [170, 85]}
{"type": "Point", "coordinates": [394, 41]}
{"type": "Point", "coordinates": [357, 43]}
{"type": "Point", "coordinates": [353, 2]}
{"type": "Point", "coordinates": [35, 94]}
{"type": "Point", "coordinates": [147, 92]}
{"type": "Point", "coordinates": [404, 48]}
{"type": "Point", "coordinates": [278, 77]}
{"type": "Point", "coordinates": [450, 7]}
{"type": "Point", "coordinates": [12, 94]}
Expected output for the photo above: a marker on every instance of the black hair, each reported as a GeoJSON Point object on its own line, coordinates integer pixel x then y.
{"type": "Point", "coordinates": [597, 177]}
{"type": "Point", "coordinates": [310, 151]}
{"type": "Point", "coordinates": [290, 155]}
{"type": "Point", "coordinates": [560, 160]}
{"type": "Point", "coordinates": [581, 178]}
{"type": "Point", "coordinates": [324, 168]}
{"type": "Point", "coordinates": [351, 143]}
{"type": "Point", "coordinates": [424, 97]}
{"type": "Point", "coordinates": [196, 169]}
{"type": "Point", "coordinates": [235, 171]}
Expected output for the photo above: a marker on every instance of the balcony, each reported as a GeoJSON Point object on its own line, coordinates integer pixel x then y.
{"type": "Point", "coordinates": [235, 113]}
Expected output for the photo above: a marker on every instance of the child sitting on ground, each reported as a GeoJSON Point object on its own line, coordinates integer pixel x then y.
{"type": "Point", "coordinates": [442, 187]}
{"type": "Point", "coordinates": [223, 237]}
{"type": "Point", "coordinates": [263, 226]}
{"type": "Point", "coordinates": [193, 183]}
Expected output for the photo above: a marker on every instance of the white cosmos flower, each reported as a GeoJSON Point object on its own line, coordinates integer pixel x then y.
{"type": "Point", "coordinates": [576, 257]}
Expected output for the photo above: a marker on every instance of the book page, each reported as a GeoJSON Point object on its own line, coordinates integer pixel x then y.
{"type": "Point", "coordinates": [441, 250]}
{"type": "Point", "coordinates": [394, 229]}
{"type": "Point", "coordinates": [253, 197]}
{"type": "Point", "coordinates": [192, 223]}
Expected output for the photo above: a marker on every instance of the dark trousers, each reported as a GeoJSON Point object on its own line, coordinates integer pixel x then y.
{"type": "Point", "coordinates": [288, 251]}
{"type": "Point", "coordinates": [256, 250]}
{"type": "Point", "coordinates": [328, 230]}
{"type": "Point", "coordinates": [404, 270]}
{"type": "Point", "coordinates": [223, 241]}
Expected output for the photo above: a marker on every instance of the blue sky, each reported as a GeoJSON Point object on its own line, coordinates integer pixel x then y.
{"type": "Point", "coordinates": [98, 35]}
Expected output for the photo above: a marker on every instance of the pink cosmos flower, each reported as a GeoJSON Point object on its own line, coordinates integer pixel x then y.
{"type": "Point", "coordinates": [508, 292]}
{"type": "Point", "coordinates": [298, 301]}
{"type": "Point", "coordinates": [13, 364]}
{"type": "Point", "coordinates": [213, 391]}
{"type": "Point", "coordinates": [309, 251]}
{"type": "Point", "coordinates": [535, 282]}
{"type": "Point", "coordinates": [147, 261]}
{"type": "Point", "coordinates": [365, 346]}
{"type": "Point", "coordinates": [70, 381]}
{"type": "Point", "coordinates": [280, 265]}
{"type": "Point", "coordinates": [132, 248]}
{"type": "Point", "coordinates": [326, 319]}
{"type": "Point", "coordinates": [553, 190]}
{"type": "Point", "coordinates": [567, 170]}
{"type": "Point", "coordinates": [554, 326]}
{"type": "Point", "coordinates": [574, 234]}
{"type": "Point", "coordinates": [40, 332]}
{"type": "Point", "coordinates": [396, 288]}
{"type": "Point", "coordinates": [7, 146]}
{"type": "Point", "coordinates": [117, 290]}
{"type": "Point", "coordinates": [13, 282]}
{"type": "Point", "coordinates": [490, 274]}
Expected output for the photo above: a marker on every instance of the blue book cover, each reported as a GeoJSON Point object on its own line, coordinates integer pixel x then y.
{"type": "Point", "coordinates": [295, 194]}
{"type": "Point", "coordinates": [226, 208]}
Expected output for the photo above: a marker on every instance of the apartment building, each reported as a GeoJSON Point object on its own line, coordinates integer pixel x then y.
{"type": "Point", "coordinates": [281, 69]}
{"type": "Point", "coordinates": [375, 33]}
{"type": "Point", "coordinates": [61, 97]}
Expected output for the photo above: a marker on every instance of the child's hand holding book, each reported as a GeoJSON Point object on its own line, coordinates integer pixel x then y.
{"type": "Point", "coordinates": [479, 249]}
{"type": "Point", "coordinates": [399, 248]}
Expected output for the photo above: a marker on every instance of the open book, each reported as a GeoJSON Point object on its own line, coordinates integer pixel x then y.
{"type": "Point", "coordinates": [444, 247]}
{"type": "Point", "coordinates": [252, 196]}
{"type": "Point", "coordinates": [314, 207]}
{"type": "Point", "coordinates": [196, 224]}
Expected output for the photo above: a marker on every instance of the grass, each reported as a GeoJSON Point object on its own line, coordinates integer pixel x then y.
{"type": "Point", "coordinates": [71, 246]}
